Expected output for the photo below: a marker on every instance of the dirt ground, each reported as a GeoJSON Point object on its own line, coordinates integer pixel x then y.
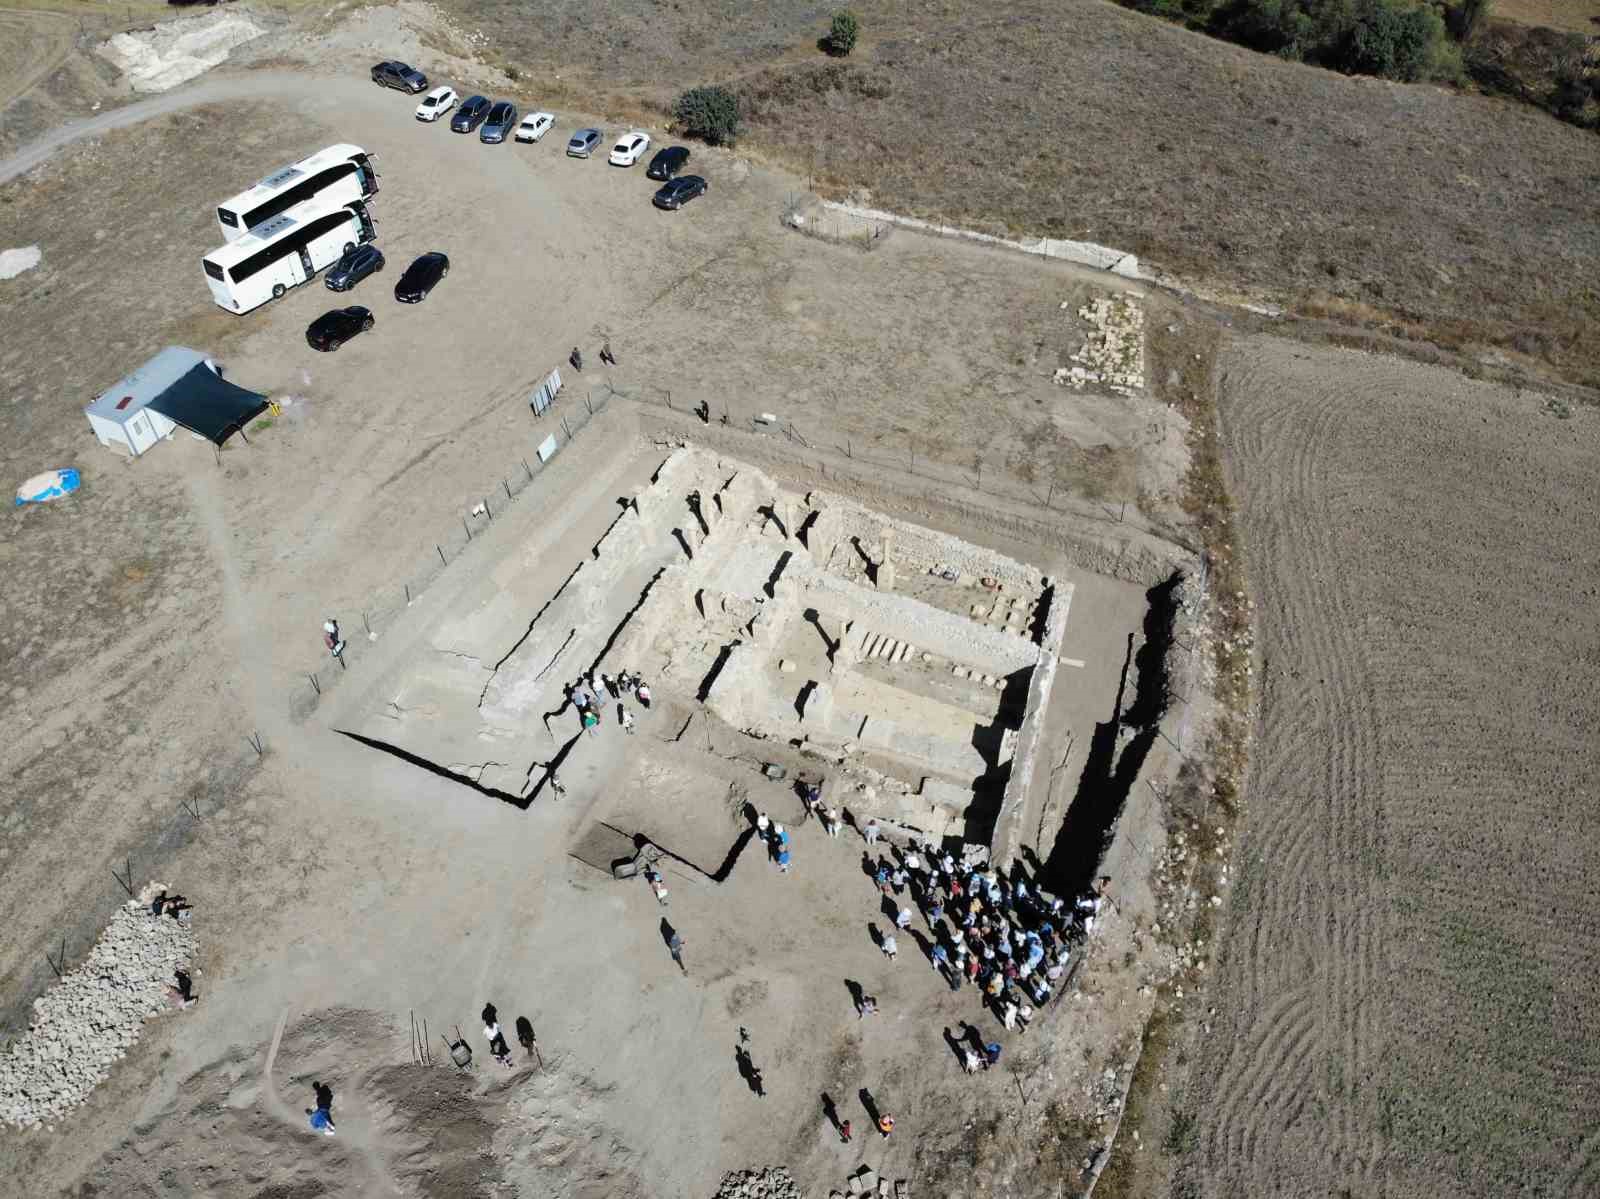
{"type": "Point", "coordinates": [1402, 1004]}
{"type": "Point", "coordinates": [171, 610]}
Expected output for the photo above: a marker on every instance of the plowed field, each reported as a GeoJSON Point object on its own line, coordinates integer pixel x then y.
{"type": "Point", "coordinates": [1405, 1000]}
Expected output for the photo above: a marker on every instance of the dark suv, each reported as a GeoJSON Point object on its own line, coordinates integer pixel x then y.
{"type": "Point", "coordinates": [667, 163]}
{"type": "Point", "coordinates": [470, 115]}
{"type": "Point", "coordinates": [353, 267]}
{"type": "Point", "coordinates": [400, 77]}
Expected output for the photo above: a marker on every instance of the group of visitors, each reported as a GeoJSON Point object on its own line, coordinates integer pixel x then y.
{"type": "Point", "coordinates": [591, 693]}
{"type": "Point", "coordinates": [992, 929]}
{"type": "Point", "coordinates": [776, 839]}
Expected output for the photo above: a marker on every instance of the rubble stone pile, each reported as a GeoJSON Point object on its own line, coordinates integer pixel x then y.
{"type": "Point", "coordinates": [772, 1183]}
{"type": "Point", "coordinates": [1113, 352]}
{"type": "Point", "coordinates": [88, 1020]}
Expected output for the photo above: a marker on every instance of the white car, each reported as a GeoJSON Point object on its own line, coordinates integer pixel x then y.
{"type": "Point", "coordinates": [436, 103]}
{"type": "Point", "coordinates": [534, 126]}
{"type": "Point", "coordinates": [629, 149]}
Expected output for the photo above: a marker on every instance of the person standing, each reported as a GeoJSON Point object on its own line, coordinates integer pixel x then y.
{"type": "Point", "coordinates": [902, 919]}
{"type": "Point", "coordinates": [783, 861]}
{"type": "Point", "coordinates": [627, 720]}
{"type": "Point", "coordinates": [870, 831]}
{"type": "Point", "coordinates": [833, 822]}
{"type": "Point", "coordinates": [675, 948]}
{"type": "Point", "coordinates": [643, 692]}
{"type": "Point", "coordinates": [885, 1125]}
{"type": "Point", "coordinates": [576, 359]}
{"type": "Point", "coordinates": [844, 1132]}
{"type": "Point", "coordinates": [591, 721]}
{"type": "Point", "coordinates": [321, 1116]}
{"type": "Point", "coordinates": [331, 637]}
{"type": "Point", "coordinates": [657, 885]}
{"type": "Point", "coordinates": [890, 948]}
{"type": "Point", "coordinates": [763, 825]}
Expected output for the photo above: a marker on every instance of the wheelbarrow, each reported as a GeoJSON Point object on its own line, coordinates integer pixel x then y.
{"type": "Point", "coordinates": [460, 1051]}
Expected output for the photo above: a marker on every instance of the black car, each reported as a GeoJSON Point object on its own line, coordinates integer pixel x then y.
{"type": "Point", "coordinates": [679, 191]}
{"type": "Point", "coordinates": [355, 266]}
{"type": "Point", "coordinates": [420, 277]}
{"type": "Point", "coordinates": [470, 114]}
{"type": "Point", "coordinates": [332, 329]}
{"type": "Point", "coordinates": [667, 162]}
{"type": "Point", "coordinates": [399, 76]}
{"type": "Point", "coordinates": [497, 126]}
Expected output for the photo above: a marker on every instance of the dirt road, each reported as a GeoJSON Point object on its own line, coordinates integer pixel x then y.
{"type": "Point", "coordinates": [213, 89]}
{"type": "Point", "coordinates": [1404, 1000]}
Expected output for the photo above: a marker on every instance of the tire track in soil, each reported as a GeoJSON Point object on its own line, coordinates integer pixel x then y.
{"type": "Point", "coordinates": [1277, 1065]}
{"type": "Point", "coordinates": [1420, 841]}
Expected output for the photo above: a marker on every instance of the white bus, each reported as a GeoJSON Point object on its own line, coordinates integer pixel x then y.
{"type": "Point", "coordinates": [284, 253]}
{"type": "Point", "coordinates": [336, 175]}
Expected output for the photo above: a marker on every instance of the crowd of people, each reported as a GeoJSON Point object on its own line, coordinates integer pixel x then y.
{"type": "Point", "coordinates": [992, 929]}
{"type": "Point", "coordinates": [987, 928]}
{"type": "Point", "coordinates": [592, 693]}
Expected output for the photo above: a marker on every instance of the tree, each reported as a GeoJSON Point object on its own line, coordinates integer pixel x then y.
{"type": "Point", "coordinates": [1393, 39]}
{"type": "Point", "coordinates": [709, 113]}
{"type": "Point", "coordinates": [843, 32]}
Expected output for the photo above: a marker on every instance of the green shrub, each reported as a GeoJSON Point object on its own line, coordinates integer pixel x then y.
{"type": "Point", "coordinates": [1393, 39]}
{"type": "Point", "coordinates": [843, 32]}
{"type": "Point", "coordinates": [709, 113]}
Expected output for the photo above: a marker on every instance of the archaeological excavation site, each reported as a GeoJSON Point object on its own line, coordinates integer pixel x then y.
{"type": "Point", "coordinates": [909, 666]}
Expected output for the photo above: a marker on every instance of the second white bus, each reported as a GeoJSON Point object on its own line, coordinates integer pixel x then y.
{"type": "Point", "coordinates": [335, 175]}
{"type": "Point", "coordinates": [284, 252]}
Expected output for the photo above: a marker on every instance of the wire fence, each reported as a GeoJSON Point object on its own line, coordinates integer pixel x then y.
{"type": "Point", "coordinates": [523, 469]}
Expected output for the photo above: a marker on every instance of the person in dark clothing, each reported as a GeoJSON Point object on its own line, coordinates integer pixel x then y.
{"type": "Point", "coordinates": [576, 358]}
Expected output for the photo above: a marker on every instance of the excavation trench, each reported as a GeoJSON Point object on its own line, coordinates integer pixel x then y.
{"type": "Point", "coordinates": [1118, 748]}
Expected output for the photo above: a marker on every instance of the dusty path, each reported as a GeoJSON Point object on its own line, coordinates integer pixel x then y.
{"type": "Point", "coordinates": [214, 89]}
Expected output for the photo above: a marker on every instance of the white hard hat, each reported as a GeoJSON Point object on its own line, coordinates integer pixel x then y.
{"type": "Point", "coordinates": [329, 627]}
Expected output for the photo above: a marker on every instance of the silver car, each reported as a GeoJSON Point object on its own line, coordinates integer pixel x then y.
{"type": "Point", "coordinates": [583, 143]}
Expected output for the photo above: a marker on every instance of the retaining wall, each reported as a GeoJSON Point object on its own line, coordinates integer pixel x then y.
{"type": "Point", "coordinates": [1008, 831]}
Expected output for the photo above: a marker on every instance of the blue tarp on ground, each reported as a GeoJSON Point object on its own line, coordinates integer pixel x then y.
{"type": "Point", "coordinates": [53, 484]}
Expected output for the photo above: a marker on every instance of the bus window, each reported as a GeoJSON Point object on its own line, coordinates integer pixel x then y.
{"type": "Point", "coordinates": [212, 268]}
{"type": "Point", "coordinates": [231, 220]}
{"type": "Point", "coordinates": [367, 176]}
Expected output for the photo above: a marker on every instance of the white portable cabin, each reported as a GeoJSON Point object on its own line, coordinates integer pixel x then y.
{"type": "Point", "coordinates": [121, 416]}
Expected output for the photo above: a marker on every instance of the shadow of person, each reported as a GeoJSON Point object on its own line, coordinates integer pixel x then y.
{"type": "Point", "coordinates": [877, 937]}
{"type": "Point", "coordinates": [749, 1072]}
{"type": "Point", "coordinates": [951, 1040]}
{"type": "Point", "coordinates": [667, 933]}
{"type": "Point", "coordinates": [971, 1035]}
{"type": "Point", "coordinates": [831, 1111]}
{"type": "Point", "coordinates": [856, 993]}
{"type": "Point", "coordinates": [868, 866]}
{"type": "Point", "coordinates": [923, 943]}
{"type": "Point", "coordinates": [890, 909]}
{"type": "Point", "coordinates": [870, 1105]}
